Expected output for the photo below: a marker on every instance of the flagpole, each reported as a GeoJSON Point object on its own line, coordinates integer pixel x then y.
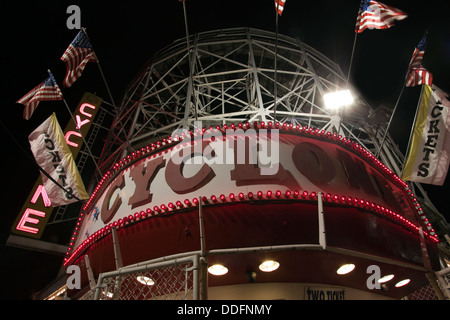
{"type": "Point", "coordinates": [101, 72]}
{"type": "Point", "coordinates": [349, 72]}
{"type": "Point", "coordinates": [275, 91]}
{"type": "Point", "coordinates": [351, 58]}
{"type": "Point", "coordinates": [400, 95]}
{"type": "Point", "coordinates": [189, 58]}
{"type": "Point", "coordinates": [390, 120]}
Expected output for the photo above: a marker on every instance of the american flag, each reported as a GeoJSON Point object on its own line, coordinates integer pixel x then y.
{"type": "Point", "coordinates": [48, 90]}
{"type": "Point", "coordinates": [76, 56]}
{"type": "Point", "coordinates": [417, 74]}
{"type": "Point", "coordinates": [279, 6]}
{"type": "Point", "coordinates": [376, 15]}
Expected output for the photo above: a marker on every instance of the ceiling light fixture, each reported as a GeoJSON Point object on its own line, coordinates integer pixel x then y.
{"type": "Point", "coordinates": [346, 268]}
{"type": "Point", "coordinates": [218, 270]}
{"type": "Point", "coordinates": [402, 283]}
{"type": "Point", "coordinates": [145, 280]}
{"type": "Point", "coordinates": [386, 278]}
{"type": "Point", "coordinates": [269, 266]}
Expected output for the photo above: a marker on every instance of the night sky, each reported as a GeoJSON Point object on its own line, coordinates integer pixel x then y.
{"type": "Point", "coordinates": [126, 34]}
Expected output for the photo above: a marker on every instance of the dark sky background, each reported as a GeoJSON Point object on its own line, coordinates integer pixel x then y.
{"type": "Point", "coordinates": [126, 34]}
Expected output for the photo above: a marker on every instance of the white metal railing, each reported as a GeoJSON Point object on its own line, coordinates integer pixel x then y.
{"type": "Point", "coordinates": [174, 279]}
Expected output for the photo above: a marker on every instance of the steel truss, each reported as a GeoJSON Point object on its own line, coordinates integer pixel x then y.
{"type": "Point", "coordinates": [227, 76]}
{"type": "Point", "coordinates": [232, 80]}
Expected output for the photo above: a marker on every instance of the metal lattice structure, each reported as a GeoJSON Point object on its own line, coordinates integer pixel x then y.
{"type": "Point", "coordinates": [228, 76]}
{"type": "Point", "coordinates": [232, 80]}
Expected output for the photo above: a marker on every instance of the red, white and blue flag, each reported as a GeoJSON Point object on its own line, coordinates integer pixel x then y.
{"type": "Point", "coordinates": [47, 90]}
{"type": "Point", "coordinates": [279, 6]}
{"type": "Point", "coordinates": [417, 74]}
{"type": "Point", "coordinates": [76, 56]}
{"type": "Point", "coordinates": [376, 15]}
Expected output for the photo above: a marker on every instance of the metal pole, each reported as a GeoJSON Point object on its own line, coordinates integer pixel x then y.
{"type": "Point", "coordinates": [275, 92]}
{"type": "Point", "coordinates": [117, 252]}
{"type": "Point", "coordinates": [101, 73]}
{"type": "Point", "coordinates": [196, 295]}
{"type": "Point", "coordinates": [89, 272]}
{"type": "Point", "coordinates": [390, 120]}
{"type": "Point", "coordinates": [203, 270]}
{"type": "Point", "coordinates": [351, 58]}
{"type": "Point", "coordinates": [200, 221]}
{"type": "Point", "coordinates": [98, 287]}
{"type": "Point", "coordinates": [427, 264]}
{"type": "Point", "coordinates": [322, 236]}
{"type": "Point", "coordinates": [119, 263]}
{"type": "Point", "coordinates": [191, 71]}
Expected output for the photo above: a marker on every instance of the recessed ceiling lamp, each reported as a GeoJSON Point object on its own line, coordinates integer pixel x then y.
{"type": "Point", "coordinates": [386, 278]}
{"type": "Point", "coordinates": [145, 280]}
{"type": "Point", "coordinates": [346, 268]}
{"type": "Point", "coordinates": [269, 266]}
{"type": "Point", "coordinates": [402, 283]}
{"type": "Point", "coordinates": [218, 270]}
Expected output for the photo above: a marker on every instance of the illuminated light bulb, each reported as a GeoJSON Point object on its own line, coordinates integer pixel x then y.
{"type": "Point", "coordinates": [218, 270]}
{"type": "Point", "coordinates": [402, 283]}
{"type": "Point", "coordinates": [386, 278]}
{"type": "Point", "coordinates": [145, 280]}
{"type": "Point", "coordinates": [346, 268]}
{"type": "Point", "coordinates": [269, 266]}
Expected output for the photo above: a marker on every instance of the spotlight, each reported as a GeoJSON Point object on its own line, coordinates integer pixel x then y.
{"type": "Point", "coordinates": [338, 99]}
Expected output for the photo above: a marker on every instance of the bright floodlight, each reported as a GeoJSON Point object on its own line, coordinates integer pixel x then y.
{"type": "Point", "coordinates": [338, 99]}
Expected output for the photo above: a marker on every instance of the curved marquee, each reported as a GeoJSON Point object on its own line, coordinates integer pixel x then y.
{"type": "Point", "coordinates": [259, 162]}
